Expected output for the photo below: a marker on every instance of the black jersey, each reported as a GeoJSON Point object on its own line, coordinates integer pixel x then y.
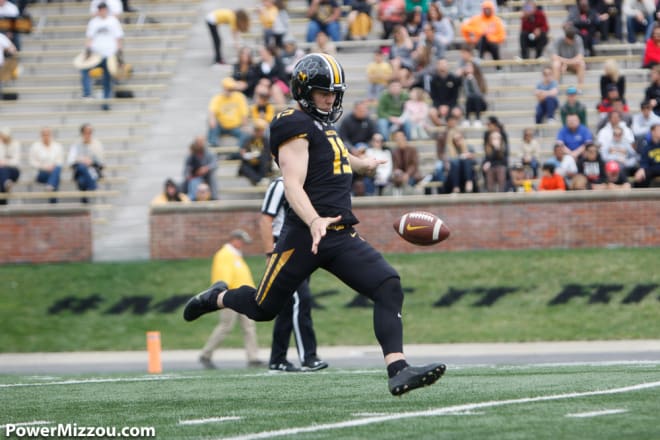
{"type": "Point", "coordinates": [329, 174]}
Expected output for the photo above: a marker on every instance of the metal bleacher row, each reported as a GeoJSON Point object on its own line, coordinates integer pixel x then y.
{"type": "Point", "coordinates": [49, 87]}
{"type": "Point", "coordinates": [49, 92]}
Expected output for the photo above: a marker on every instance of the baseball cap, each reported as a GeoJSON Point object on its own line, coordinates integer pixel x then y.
{"type": "Point", "coordinates": [241, 234]}
{"type": "Point", "coordinates": [572, 90]}
{"type": "Point", "coordinates": [612, 167]}
{"type": "Point", "coordinates": [229, 83]}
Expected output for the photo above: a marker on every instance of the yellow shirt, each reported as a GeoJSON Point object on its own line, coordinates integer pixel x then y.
{"type": "Point", "coordinates": [267, 114]}
{"type": "Point", "coordinates": [230, 267]}
{"type": "Point", "coordinates": [379, 73]}
{"type": "Point", "coordinates": [225, 16]}
{"type": "Point", "coordinates": [230, 111]}
{"type": "Point", "coordinates": [267, 16]}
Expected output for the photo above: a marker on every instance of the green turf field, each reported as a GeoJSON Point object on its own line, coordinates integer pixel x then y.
{"type": "Point", "coordinates": [502, 296]}
{"type": "Point", "coordinates": [521, 402]}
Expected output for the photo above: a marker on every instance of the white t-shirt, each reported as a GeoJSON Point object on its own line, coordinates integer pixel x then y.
{"type": "Point", "coordinates": [4, 44]}
{"type": "Point", "coordinates": [8, 10]}
{"type": "Point", "coordinates": [115, 7]}
{"type": "Point", "coordinates": [104, 33]}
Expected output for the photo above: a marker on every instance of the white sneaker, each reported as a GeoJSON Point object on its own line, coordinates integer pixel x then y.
{"type": "Point", "coordinates": [465, 123]}
{"type": "Point", "coordinates": [477, 124]}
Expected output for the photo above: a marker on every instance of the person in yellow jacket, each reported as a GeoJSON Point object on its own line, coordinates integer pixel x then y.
{"type": "Point", "coordinates": [230, 267]}
{"type": "Point", "coordinates": [228, 113]}
{"type": "Point", "coordinates": [486, 31]}
{"type": "Point", "coordinates": [238, 21]}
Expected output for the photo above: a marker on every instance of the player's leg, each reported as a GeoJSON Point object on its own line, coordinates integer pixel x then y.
{"type": "Point", "coordinates": [365, 270]}
{"type": "Point", "coordinates": [303, 329]}
{"type": "Point", "coordinates": [281, 337]}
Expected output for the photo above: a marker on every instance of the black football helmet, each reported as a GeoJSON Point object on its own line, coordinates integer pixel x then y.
{"type": "Point", "coordinates": [323, 72]}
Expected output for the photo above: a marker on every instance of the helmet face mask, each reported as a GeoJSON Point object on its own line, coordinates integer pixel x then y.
{"type": "Point", "coordinates": [321, 72]}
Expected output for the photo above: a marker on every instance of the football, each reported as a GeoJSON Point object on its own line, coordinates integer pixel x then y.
{"type": "Point", "coordinates": [421, 228]}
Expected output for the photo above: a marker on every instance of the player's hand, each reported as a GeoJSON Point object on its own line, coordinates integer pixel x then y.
{"type": "Point", "coordinates": [318, 228]}
{"type": "Point", "coordinates": [370, 165]}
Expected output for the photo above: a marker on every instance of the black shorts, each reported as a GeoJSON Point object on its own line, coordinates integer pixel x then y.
{"type": "Point", "coordinates": [341, 252]}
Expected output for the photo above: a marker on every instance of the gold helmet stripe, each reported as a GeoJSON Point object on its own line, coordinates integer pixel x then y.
{"type": "Point", "coordinates": [336, 71]}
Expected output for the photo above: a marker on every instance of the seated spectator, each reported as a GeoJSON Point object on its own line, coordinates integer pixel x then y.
{"type": "Point", "coordinates": [405, 160]}
{"type": "Point", "coordinates": [649, 162]}
{"type": "Point", "coordinates": [495, 163]}
{"type": "Point", "coordinates": [199, 168]}
{"type": "Point", "coordinates": [652, 49]}
{"type": "Point", "coordinates": [466, 56]}
{"type": "Point", "coordinates": [416, 114]}
{"type": "Point", "coordinates": [569, 56]}
{"type": "Point", "coordinates": [228, 113]}
{"type": "Point", "coordinates": [474, 89]}
{"type": "Point", "coordinates": [591, 165]}
{"type": "Point", "coordinates": [519, 182]}
{"type": "Point", "coordinates": [380, 180]}
{"type": "Point", "coordinates": [323, 16]}
{"type": "Point", "coordinates": [494, 124]}
{"type": "Point", "coordinates": [615, 178]}
{"type": "Point", "coordinates": [391, 13]}
{"type": "Point", "coordinates": [418, 5]}
{"type": "Point", "coordinates": [429, 49]}
{"type": "Point", "coordinates": [606, 134]}
{"type": "Point", "coordinates": [550, 180]}
{"type": "Point", "coordinates": [47, 157]}
{"type": "Point", "coordinates": [8, 47]}
{"type": "Point", "coordinates": [585, 21]}
{"type": "Point", "coordinates": [564, 163]}
{"type": "Point", "coordinates": [359, 20]}
{"type": "Point", "coordinates": [357, 128]}
{"type": "Point", "coordinates": [245, 72]}
{"type": "Point", "coordinates": [413, 23]}
{"type": "Point", "coordinates": [530, 150]}
{"type": "Point", "coordinates": [238, 21]}
{"type": "Point", "coordinates": [609, 16]}
{"type": "Point", "coordinates": [104, 38]}
{"type": "Point", "coordinates": [379, 74]}
{"type": "Point", "coordinates": [652, 92]}
{"type": "Point", "coordinates": [10, 158]}
{"type": "Point", "coordinates": [461, 159]}
{"type": "Point", "coordinates": [621, 108]}
{"type": "Point", "coordinates": [546, 97]}
{"type": "Point", "coordinates": [323, 45]}
{"type": "Point", "coordinates": [442, 26]}
{"type": "Point", "coordinates": [620, 150]}
{"type": "Point", "coordinates": [203, 193]}
{"type": "Point", "coordinates": [642, 122]}
{"type": "Point", "coordinates": [449, 8]}
{"type": "Point", "coordinates": [170, 193]}
{"type": "Point", "coordinates": [533, 30]}
{"type": "Point", "coordinates": [606, 105]}
{"type": "Point", "coordinates": [639, 17]}
{"type": "Point", "coordinates": [390, 109]}
{"type": "Point", "coordinates": [255, 155]}
{"type": "Point", "coordinates": [443, 87]}
{"type": "Point", "coordinates": [115, 7]}
{"type": "Point", "coordinates": [574, 135]}
{"type": "Point", "coordinates": [612, 77]}
{"type": "Point", "coordinates": [486, 31]}
{"type": "Point", "coordinates": [573, 107]}
{"type": "Point", "coordinates": [280, 25]}
{"type": "Point", "coordinates": [289, 56]}
{"type": "Point", "coordinates": [86, 160]}
{"type": "Point", "coordinates": [267, 12]}
{"type": "Point", "coordinates": [401, 55]}
{"type": "Point", "coordinates": [262, 108]}
{"type": "Point", "coordinates": [270, 67]}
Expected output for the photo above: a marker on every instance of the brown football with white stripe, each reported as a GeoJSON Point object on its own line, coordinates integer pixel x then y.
{"type": "Point", "coordinates": [421, 228]}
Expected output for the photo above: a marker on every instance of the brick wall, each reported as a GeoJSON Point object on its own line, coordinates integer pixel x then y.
{"type": "Point", "coordinates": [477, 221]}
{"type": "Point", "coordinates": [41, 234]}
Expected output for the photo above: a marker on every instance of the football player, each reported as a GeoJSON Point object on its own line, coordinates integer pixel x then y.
{"type": "Point", "coordinates": [318, 229]}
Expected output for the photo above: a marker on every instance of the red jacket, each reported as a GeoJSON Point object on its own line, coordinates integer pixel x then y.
{"type": "Point", "coordinates": [651, 53]}
{"type": "Point", "coordinates": [536, 20]}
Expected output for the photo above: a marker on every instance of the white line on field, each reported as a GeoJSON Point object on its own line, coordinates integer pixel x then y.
{"type": "Point", "coordinates": [99, 380]}
{"type": "Point", "coordinates": [438, 412]}
{"type": "Point", "coordinates": [209, 420]}
{"type": "Point", "coordinates": [605, 412]}
{"type": "Point", "coordinates": [36, 422]}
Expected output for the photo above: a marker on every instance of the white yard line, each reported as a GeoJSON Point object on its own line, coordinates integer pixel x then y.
{"type": "Point", "coordinates": [36, 422]}
{"type": "Point", "coordinates": [99, 380]}
{"type": "Point", "coordinates": [209, 420]}
{"type": "Point", "coordinates": [605, 412]}
{"type": "Point", "coordinates": [438, 412]}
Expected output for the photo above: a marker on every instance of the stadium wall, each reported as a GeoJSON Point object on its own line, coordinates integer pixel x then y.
{"type": "Point", "coordinates": [585, 219]}
{"type": "Point", "coordinates": [45, 234]}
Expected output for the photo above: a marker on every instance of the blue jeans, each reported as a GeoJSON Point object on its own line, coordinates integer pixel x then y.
{"type": "Point", "coordinates": [331, 29]}
{"type": "Point", "coordinates": [633, 27]}
{"type": "Point", "coordinates": [384, 127]}
{"type": "Point", "coordinates": [215, 132]}
{"type": "Point", "coordinates": [50, 178]}
{"type": "Point", "coordinates": [84, 178]}
{"type": "Point", "coordinates": [460, 171]}
{"type": "Point", "coordinates": [546, 109]}
{"type": "Point", "coordinates": [107, 80]}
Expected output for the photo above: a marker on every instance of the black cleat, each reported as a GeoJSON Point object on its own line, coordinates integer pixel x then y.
{"type": "Point", "coordinates": [204, 302]}
{"type": "Point", "coordinates": [285, 366]}
{"type": "Point", "coordinates": [207, 363]}
{"type": "Point", "coordinates": [415, 377]}
{"type": "Point", "coordinates": [314, 364]}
